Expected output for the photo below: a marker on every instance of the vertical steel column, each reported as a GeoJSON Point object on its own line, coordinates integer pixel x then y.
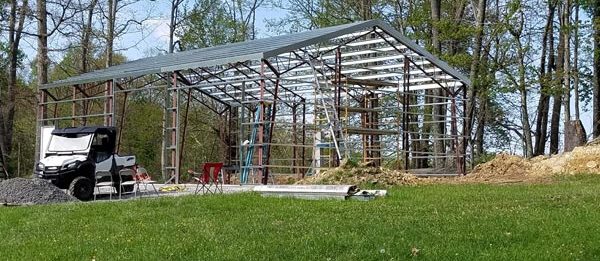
{"type": "Point", "coordinates": [303, 135]}
{"type": "Point", "coordinates": [405, 143]}
{"type": "Point", "coordinates": [464, 138]}
{"type": "Point", "coordinates": [338, 79]}
{"type": "Point", "coordinates": [271, 130]}
{"type": "Point", "coordinates": [183, 131]}
{"type": "Point", "coordinates": [365, 123]}
{"type": "Point", "coordinates": [374, 120]}
{"type": "Point", "coordinates": [85, 104]}
{"type": "Point", "coordinates": [338, 102]}
{"type": "Point", "coordinates": [73, 104]}
{"type": "Point", "coordinates": [233, 141]}
{"type": "Point", "coordinates": [174, 129]}
{"type": "Point", "coordinates": [108, 104]}
{"type": "Point", "coordinates": [113, 103]}
{"type": "Point", "coordinates": [55, 115]}
{"type": "Point", "coordinates": [40, 121]}
{"type": "Point", "coordinates": [261, 123]}
{"type": "Point", "coordinates": [294, 141]}
{"type": "Point", "coordinates": [399, 122]}
{"type": "Point", "coordinates": [454, 132]}
{"type": "Point", "coordinates": [242, 136]}
{"type": "Point", "coordinates": [122, 121]}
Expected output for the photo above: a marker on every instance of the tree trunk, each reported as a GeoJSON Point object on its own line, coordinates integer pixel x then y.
{"type": "Point", "coordinates": [173, 24]}
{"type": "Point", "coordinates": [110, 34]}
{"type": "Point", "coordinates": [596, 66]}
{"type": "Point", "coordinates": [480, 130]}
{"type": "Point", "coordinates": [524, 110]}
{"type": "Point", "coordinates": [544, 102]}
{"type": "Point", "coordinates": [576, 62]}
{"type": "Point", "coordinates": [85, 41]}
{"type": "Point", "coordinates": [566, 24]}
{"type": "Point", "coordinates": [42, 52]}
{"type": "Point", "coordinates": [481, 4]}
{"type": "Point", "coordinates": [557, 105]}
{"type": "Point", "coordinates": [436, 128]}
{"type": "Point", "coordinates": [7, 107]}
{"type": "Point", "coordinates": [435, 19]}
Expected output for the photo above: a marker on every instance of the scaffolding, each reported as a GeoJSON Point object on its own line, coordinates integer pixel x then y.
{"type": "Point", "coordinates": [292, 105]}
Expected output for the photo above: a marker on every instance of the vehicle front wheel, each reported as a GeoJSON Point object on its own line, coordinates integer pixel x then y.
{"type": "Point", "coordinates": [82, 188]}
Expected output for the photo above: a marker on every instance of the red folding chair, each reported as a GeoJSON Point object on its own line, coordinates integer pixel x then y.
{"type": "Point", "coordinates": [209, 178]}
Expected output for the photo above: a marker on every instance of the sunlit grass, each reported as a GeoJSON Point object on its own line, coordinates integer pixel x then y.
{"type": "Point", "coordinates": [559, 220]}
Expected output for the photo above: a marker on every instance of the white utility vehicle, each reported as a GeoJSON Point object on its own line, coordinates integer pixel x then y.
{"type": "Point", "coordinates": [72, 157]}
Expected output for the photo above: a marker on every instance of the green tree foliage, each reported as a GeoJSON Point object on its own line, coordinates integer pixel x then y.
{"type": "Point", "coordinates": [70, 65]}
{"type": "Point", "coordinates": [141, 131]}
{"type": "Point", "coordinates": [209, 23]}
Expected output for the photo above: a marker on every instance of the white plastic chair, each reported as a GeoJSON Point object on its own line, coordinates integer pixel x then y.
{"type": "Point", "coordinates": [103, 184]}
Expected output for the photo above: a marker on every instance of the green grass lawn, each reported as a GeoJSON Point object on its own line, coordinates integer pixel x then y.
{"type": "Point", "coordinates": [553, 221]}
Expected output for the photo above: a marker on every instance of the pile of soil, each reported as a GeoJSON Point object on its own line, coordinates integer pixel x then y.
{"type": "Point", "coordinates": [357, 175]}
{"type": "Point", "coordinates": [505, 167]}
{"type": "Point", "coordinates": [20, 191]}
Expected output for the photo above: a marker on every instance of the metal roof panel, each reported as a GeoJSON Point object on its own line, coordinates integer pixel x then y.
{"type": "Point", "coordinates": [243, 51]}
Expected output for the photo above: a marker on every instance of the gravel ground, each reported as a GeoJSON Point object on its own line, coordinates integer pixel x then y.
{"type": "Point", "coordinates": [20, 191]}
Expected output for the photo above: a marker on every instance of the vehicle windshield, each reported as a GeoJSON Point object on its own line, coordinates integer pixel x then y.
{"type": "Point", "coordinates": [67, 144]}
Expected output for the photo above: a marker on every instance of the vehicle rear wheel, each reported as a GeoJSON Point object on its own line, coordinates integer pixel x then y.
{"type": "Point", "coordinates": [82, 188]}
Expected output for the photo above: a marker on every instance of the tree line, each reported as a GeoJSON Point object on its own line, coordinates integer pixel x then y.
{"type": "Point", "coordinates": [533, 64]}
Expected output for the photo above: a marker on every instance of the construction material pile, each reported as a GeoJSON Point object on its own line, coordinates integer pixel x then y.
{"type": "Point", "coordinates": [505, 167]}
{"type": "Point", "coordinates": [20, 191]}
{"type": "Point", "coordinates": [346, 174]}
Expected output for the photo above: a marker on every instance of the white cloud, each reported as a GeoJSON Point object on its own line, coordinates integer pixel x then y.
{"type": "Point", "coordinates": [158, 28]}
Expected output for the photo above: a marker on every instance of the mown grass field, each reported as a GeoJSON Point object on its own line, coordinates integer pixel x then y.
{"type": "Point", "coordinates": [555, 221]}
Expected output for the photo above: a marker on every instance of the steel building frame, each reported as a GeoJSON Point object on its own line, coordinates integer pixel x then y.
{"type": "Point", "coordinates": [394, 103]}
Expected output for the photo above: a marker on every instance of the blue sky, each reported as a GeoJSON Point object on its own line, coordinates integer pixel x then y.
{"type": "Point", "coordinates": [154, 35]}
{"type": "Point", "coordinates": [141, 41]}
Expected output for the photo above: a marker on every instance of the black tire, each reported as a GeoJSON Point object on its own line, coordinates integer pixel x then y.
{"type": "Point", "coordinates": [82, 188]}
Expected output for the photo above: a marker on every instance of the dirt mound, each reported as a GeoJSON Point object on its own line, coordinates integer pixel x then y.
{"type": "Point", "coordinates": [502, 167]}
{"type": "Point", "coordinates": [361, 175]}
{"type": "Point", "coordinates": [31, 192]}
{"type": "Point", "coordinates": [505, 167]}
{"type": "Point", "coordinates": [584, 160]}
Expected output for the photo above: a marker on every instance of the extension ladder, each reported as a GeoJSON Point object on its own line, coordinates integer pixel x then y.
{"type": "Point", "coordinates": [328, 105]}
{"type": "Point", "coordinates": [252, 142]}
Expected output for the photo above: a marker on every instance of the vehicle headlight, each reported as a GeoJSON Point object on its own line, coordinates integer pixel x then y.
{"type": "Point", "coordinates": [71, 165]}
{"type": "Point", "coordinates": [40, 166]}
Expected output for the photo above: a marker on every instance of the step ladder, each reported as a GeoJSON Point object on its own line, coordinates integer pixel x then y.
{"type": "Point", "coordinates": [323, 95]}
